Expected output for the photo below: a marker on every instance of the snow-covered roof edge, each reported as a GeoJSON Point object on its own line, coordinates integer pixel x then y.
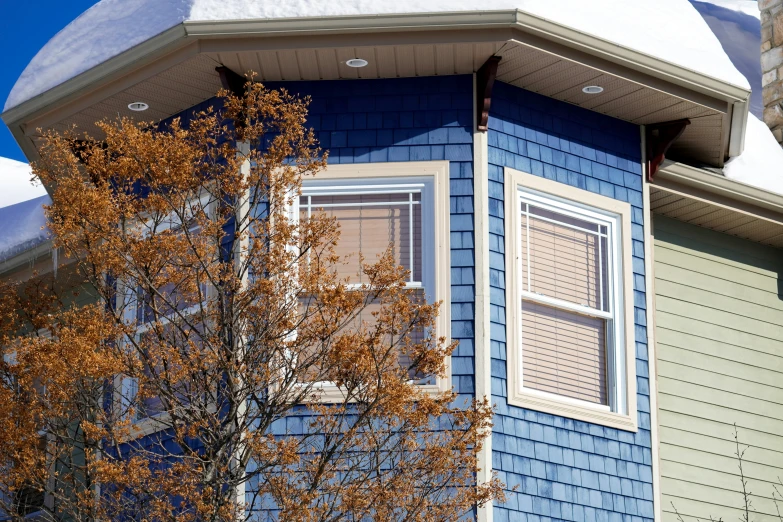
{"type": "Point", "coordinates": [111, 28]}
{"type": "Point", "coordinates": [24, 227]}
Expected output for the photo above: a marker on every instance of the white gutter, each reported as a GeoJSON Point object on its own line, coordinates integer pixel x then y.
{"type": "Point", "coordinates": [186, 32]}
{"type": "Point", "coordinates": [703, 180]}
{"type": "Point", "coordinates": [27, 256]}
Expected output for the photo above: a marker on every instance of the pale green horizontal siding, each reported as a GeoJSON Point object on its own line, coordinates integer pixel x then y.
{"type": "Point", "coordinates": [719, 344]}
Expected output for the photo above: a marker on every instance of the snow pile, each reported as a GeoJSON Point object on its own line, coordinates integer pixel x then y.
{"type": "Point", "coordinates": [761, 163]}
{"type": "Point", "coordinates": [15, 183]}
{"type": "Point", "coordinates": [748, 7]}
{"type": "Point", "coordinates": [671, 30]}
{"type": "Point", "coordinates": [23, 227]}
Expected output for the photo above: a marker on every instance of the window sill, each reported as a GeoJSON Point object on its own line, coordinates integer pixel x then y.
{"type": "Point", "coordinates": [148, 426]}
{"type": "Point", "coordinates": [572, 410]}
{"type": "Point", "coordinates": [329, 394]}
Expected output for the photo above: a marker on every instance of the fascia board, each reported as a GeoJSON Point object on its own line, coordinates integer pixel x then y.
{"type": "Point", "coordinates": [707, 182]}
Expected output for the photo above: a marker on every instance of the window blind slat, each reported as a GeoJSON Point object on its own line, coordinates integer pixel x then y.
{"type": "Point", "coordinates": [370, 230]}
{"type": "Point", "coordinates": [563, 262]}
{"type": "Point", "coordinates": [564, 258]}
{"type": "Point", "coordinates": [564, 353]}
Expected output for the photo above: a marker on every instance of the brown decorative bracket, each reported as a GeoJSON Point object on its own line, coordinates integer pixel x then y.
{"type": "Point", "coordinates": [659, 137]}
{"type": "Point", "coordinates": [231, 81]}
{"type": "Point", "coordinates": [485, 80]}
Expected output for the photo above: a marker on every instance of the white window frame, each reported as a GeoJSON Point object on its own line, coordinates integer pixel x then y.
{"type": "Point", "coordinates": [143, 426]}
{"type": "Point", "coordinates": [432, 179]}
{"type": "Point", "coordinates": [621, 411]}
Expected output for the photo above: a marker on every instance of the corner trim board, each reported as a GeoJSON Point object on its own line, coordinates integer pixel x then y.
{"type": "Point", "coordinates": [481, 331]}
{"type": "Point", "coordinates": [651, 351]}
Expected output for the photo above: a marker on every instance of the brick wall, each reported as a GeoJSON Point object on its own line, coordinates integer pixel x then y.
{"type": "Point", "coordinates": [566, 469]}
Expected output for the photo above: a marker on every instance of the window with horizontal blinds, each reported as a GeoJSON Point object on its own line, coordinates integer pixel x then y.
{"type": "Point", "coordinates": [564, 353]}
{"type": "Point", "coordinates": [370, 223]}
{"type": "Point", "coordinates": [566, 303]}
{"type": "Point", "coordinates": [168, 305]}
{"type": "Point", "coordinates": [367, 317]}
{"type": "Point", "coordinates": [374, 216]}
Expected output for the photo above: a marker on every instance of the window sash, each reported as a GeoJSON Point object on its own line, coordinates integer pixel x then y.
{"type": "Point", "coordinates": [423, 278]}
{"type": "Point", "coordinates": [134, 307]}
{"type": "Point", "coordinates": [611, 300]}
{"type": "Point", "coordinates": [411, 199]}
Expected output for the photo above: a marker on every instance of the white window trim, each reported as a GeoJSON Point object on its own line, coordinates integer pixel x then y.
{"type": "Point", "coordinates": [623, 413]}
{"type": "Point", "coordinates": [144, 426]}
{"type": "Point", "coordinates": [436, 267]}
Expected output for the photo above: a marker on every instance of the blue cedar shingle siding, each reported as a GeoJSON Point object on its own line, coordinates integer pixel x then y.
{"type": "Point", "coordinates": [414, 119]}
{"type": "Point", "coordinates": [566, 469]}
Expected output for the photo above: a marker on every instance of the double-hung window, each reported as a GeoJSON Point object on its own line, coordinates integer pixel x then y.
{"type": "Point", "coordinates": [571, 334]}
{"type": "Point", "coordinates": [403, 207]}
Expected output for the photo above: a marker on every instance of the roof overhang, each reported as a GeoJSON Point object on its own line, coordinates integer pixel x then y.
{"type": "Point", "coordinates": [175, 70]}
{"type": "Point", "coordinates": [712, 201]}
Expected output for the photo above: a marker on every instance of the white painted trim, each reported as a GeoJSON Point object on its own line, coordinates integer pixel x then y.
{"type": "Point", "coordinates": [435, 173]}
{"type": "Point", "coordinates": [481, 329]}
{"type": "Point", "coordinates": [649, 292]}
{"type": "Point", "coordinates": [718, 185]}
{"type": "Point", "coordinates": [627, 418]}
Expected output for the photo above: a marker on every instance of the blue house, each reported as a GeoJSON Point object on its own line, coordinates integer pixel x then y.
{"type": "Point", "coordinates": [534, 132]}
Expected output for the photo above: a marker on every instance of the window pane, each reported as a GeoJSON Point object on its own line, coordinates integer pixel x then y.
{"type": "Point", "coordinates": [370, 223]}
{"type": "Point", "coordinates": [564, 257]}
{"type": "Point", "coordinates": [564, 353]}
{"type": "Point", "coordinates": [316, 370]}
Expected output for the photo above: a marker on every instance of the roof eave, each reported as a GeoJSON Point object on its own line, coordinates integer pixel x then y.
{"type": "Point", "coordinates": [188, 32]}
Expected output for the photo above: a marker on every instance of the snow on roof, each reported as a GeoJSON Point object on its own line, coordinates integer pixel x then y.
{"type": "Point", "coordinates": [670, 30]}
{"type": "Point", "coordinates": [21, 209]}
{"type": "Point", "coordinates": [15, 184]}
{"type": "Point", "coordinates": [748, 7]}
{"type": "Point", "coordinates": [23, 227]}
{"type": "Point", "coordinates": [761, 163]}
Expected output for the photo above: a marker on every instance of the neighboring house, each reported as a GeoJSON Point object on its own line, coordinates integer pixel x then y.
{"type": "Point", "coordinates": [526, 133]}
{"type": "Point", "coordinates": [719, 342]}
{"type": "Point", "coordinates": [27, 254]}
{"type": "Point", "coordinates": [719, 310]}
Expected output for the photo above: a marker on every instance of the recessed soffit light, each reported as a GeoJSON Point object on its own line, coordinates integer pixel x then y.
{"type": "Point", "coordinates": [593, 89]}
{"type": "Point", "coordinates": [356, 62]}
{"type": "Point", "coordinates": [138, 106]}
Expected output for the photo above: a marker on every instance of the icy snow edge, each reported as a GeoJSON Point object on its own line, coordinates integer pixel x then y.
{"type": "Point", "coordinates": [671, 30]}
{"type": "Point", "coordinates": [24, 227]}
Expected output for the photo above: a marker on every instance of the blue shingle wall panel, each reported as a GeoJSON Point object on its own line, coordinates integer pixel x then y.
{"type": "Point", "coordinates": [566, 469]}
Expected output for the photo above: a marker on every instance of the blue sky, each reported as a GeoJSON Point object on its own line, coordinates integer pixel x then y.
{"type": "Point", "coordinates": [25, 27]}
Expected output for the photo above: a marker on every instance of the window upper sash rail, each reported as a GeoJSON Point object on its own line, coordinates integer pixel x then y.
{"type": "Point", "coordinates": [565, 305]}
